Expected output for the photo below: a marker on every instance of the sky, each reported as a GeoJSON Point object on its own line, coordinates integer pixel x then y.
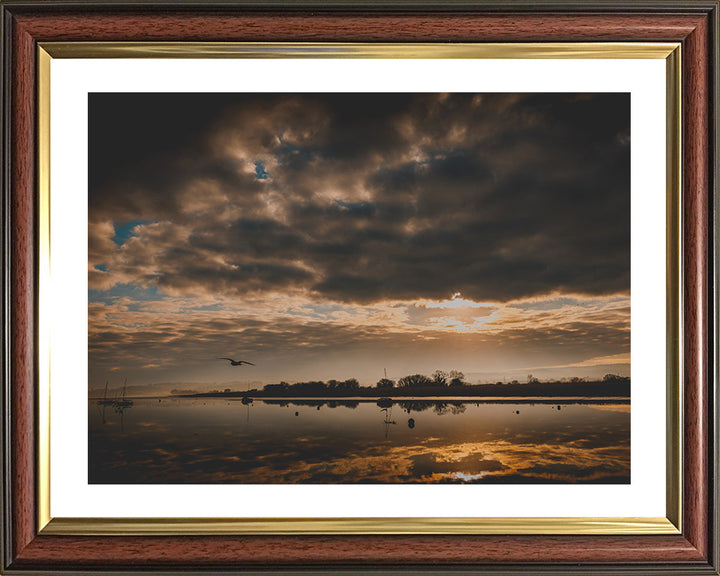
{"type": "Point", "coordinates": [341, 236]}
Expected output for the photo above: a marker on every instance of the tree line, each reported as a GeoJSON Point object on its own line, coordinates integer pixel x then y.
{"type": "Point", "coordinates": [439, 378]}
{"type": "Point", "coordinates": [313, 387]}
{"type": "Point", "coordinates": [437, 384]}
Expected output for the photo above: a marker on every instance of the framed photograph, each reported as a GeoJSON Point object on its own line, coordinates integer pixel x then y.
{"type": "Point", "coordinates": [321, 287]}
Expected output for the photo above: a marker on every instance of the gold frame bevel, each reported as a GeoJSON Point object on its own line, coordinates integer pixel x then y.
{"type": "Point", "coordinates": [670, 524]}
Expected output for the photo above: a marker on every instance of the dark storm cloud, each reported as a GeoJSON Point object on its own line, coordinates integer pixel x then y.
{"type": "Point", "coordinates": [363, 197]}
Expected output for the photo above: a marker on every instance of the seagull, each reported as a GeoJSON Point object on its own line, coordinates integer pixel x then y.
{"type": "Point", "coordinates": [236, 362]}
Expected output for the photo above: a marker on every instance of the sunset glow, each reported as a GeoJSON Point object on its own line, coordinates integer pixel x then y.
{"type": "Point", "coordinates": [348, 235]}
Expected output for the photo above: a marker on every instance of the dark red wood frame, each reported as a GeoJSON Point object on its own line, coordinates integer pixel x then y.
{"type": "Point", "coordinates": [694, 24]}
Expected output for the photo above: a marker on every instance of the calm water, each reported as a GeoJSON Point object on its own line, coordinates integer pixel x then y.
{"type": "Point", "coordinates": [224, 441]}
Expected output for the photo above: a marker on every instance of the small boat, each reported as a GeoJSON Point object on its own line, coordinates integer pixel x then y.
{"type": "Point", "coordinates": [123, 403]}
{"type": "Point", "coordinates": [105, 401]}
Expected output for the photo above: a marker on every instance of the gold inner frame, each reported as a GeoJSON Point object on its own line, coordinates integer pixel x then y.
{"type": "Point", "coordinates": [670, 524]}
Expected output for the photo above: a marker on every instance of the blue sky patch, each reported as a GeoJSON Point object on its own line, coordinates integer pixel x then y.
{"type": "Point", "coordinates": [101, 267]}
{"type": "Point", "coordinates": [207, 308]}
{"type": "Point", "coordinates": [357, 208]}
{"type": "Point", "coordinates": [131, 291]}
{"type": "Point", "coordinates": [260, 172]}
{"type": "Point", "coordinates": [124, 230]}
{"type": "Point", "coordinates": [556, 303]}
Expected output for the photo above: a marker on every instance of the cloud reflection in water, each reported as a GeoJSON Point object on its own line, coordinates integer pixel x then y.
{"type": "Point", "coordinates": [220, 441]}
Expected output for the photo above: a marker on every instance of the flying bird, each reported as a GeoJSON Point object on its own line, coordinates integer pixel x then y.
{"type": "Point", "coordinates": [236, 362]}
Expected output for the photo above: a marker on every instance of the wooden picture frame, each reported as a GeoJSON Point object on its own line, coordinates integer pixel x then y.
{"type": "Point", "coordinates": [29, 548]}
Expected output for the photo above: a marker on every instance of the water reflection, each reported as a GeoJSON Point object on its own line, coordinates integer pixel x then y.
{"type": "Point", "coordinates": [312, 402]}
{"type": "Point", "coordinates": [388, 421]}
{"type": "Point", "coordinates": [118, 407]}
{"type": "Point", "coordinates": [338, 441]}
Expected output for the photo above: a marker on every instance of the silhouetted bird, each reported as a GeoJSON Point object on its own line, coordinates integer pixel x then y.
{"type": "Point", "coordinates": [236, 362]}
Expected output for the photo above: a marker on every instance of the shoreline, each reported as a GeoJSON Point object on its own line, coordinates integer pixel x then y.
{"type": "Point", "coordinates": [396, 399]}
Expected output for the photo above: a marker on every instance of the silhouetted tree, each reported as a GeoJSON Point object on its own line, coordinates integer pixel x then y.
{"type": "Point", "coordinates": [312, 387]}
{"type": "Point", "coordinates": [457, 378]}
{"type": "Point", "coordinates": [282, 387]}
{"type": "Point", "coordinates": [439, 378]}
{"type": "Point", "coordinates": [349, 385]}
{"type": "Point", "coordinates": [385, 383]}
{"type": "Point", "coordinates": [615, 378]}
{"type": "Point", "coordinates": [414, 381]}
